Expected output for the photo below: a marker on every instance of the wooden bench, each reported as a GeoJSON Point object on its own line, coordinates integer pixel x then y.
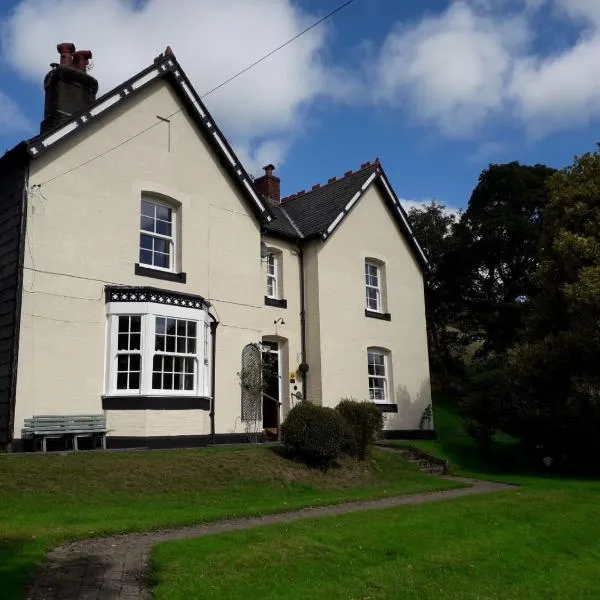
{"type": "Point", "coordinates": [44, 427]}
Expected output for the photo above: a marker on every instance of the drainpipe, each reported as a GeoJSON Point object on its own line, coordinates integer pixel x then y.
{"type": "Point", "coordinates": [302, 318]}
{"type": "Point", "coordinates": [213, 335]}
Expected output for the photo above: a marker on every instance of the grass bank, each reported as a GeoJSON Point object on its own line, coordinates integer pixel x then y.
{"type": "Point", "coordinates": [540, 541]}
{"type": "Point", "coordinates": [47, 500]}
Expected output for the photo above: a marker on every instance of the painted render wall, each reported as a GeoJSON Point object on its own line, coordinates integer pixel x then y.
{"type": "Point", "coordinates": [345, 331]}
{"type": "Point", "coordinates": [86, 224]}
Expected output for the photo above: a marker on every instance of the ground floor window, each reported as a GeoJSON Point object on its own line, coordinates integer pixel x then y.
{"type": "Point", "coordinates": [378, 367]}
{"type": "Point", "coordinates": [157, 349]}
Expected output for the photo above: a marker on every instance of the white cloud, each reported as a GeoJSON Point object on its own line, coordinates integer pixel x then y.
{"type": "Point", "coordinates": [212, 39]}
{"type": "Point", "coordinates": [451, 68]}
{"type": "Point", "coordinates": [460, 67]}
{"type": "Point", "coordinates": [12, 120]}
{"type": "Point", "coordinates": [486, 152]}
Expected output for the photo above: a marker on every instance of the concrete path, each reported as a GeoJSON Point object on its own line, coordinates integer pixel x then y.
{"type": "Point", "coordinates": [116, 568]}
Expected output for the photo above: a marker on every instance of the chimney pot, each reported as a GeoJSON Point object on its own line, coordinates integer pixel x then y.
{"type": "Point", "coordinates": [332, 179]}
{"type": "Point", "coordinates": [365, 165]}
{"type": "Point", "coordinates": [316, 186]}
{"type": "Point", "coordinates": [347, 173]}
{"type": "Point", "coordinates": [69, 89]}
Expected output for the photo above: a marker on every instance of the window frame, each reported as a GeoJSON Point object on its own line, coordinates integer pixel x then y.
{"type": "Point", "coordinates": [275, 256]}
{"type": "Point", "coordinates": [386, 377]}
{"type": "Point", "coordinates": [173, 239]}
{"type": "Point", "coordinates": [149, 311]}
{"type": "Point", "coordinates": [379, 288]}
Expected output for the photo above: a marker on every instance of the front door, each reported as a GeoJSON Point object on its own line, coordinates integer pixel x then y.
{"type": "Point", "coordinates": [271, 379]}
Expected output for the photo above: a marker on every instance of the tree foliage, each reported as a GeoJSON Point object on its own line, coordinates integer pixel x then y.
{"type": "Point", "coordinates": [547, 388]}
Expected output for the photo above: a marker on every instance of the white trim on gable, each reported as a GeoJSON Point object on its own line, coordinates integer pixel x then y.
{"type": "Point", "coordinates": [391, 196]}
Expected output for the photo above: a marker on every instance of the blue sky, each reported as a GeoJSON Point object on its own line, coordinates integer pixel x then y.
{"type": "Point", "coordinates": [436, 89]}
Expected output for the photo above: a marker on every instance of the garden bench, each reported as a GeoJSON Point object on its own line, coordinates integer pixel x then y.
{"type": "Point", "coordinates": [44, 427]}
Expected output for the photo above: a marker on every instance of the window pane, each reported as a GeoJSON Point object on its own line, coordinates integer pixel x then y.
{"type": "Point", "coordinates": [162, 212]}
{"type": "Point", "coordinates": [135, 362]}
{"type": "Point", "coordinates": [170, 343]}
{"type": "Point", "coordinates": [171, 326]}
{"type": "Point", "coordinates": [146, 223]}
{"type": "Point", "coordinates": [136, 324]}
{"type": "Point", "coordinates": [147, 208]}
{"type": "Point", "coordinates": [134, 341]}
{"type": "Point", "coordinates": [189, 382]}
{"type": "Point", "coordinates": [159, 343]}
{"type": "Point", "coordinates": [122, 362]}
{"type": "Point", "coordinates": [121, 381]}
{"type": "Point", "coordinates": [123, 324]}
{"type": "Point", "coordinates": [123, 341]}
{"type": "Point", "coordinates": [156, 381]}
{"type": "Point", "coordinates": [134, 381]}
{"type": "Point", "coordinates": [162, 260]}
{"type": "Point", "coordinates": [168, 363]}
{"type": "Point", "coordinates": [191, 328]}
{"type": "Point", "coordinates": [160, 325]}
{"type": "Point", "coordinates": [181, 345]}
{"type": "Point", "coordinates": [145, 257]}
{"type": "Point", "coordinates": [145, 241]}
{"type": "Point", "coordinates": [191, 346]}
{"type": "Point", "coordinates": [157, 363]}
{"type": "Point", "coordinates": [181, 329]}
{"type": "Point", "coordinates": [189, 365]}
{"type": "Point", "coordinates": [167, 381]}
{"type": "Point", "coordinates": [163, 227]}
{"type": "Point", "coordinates": [161, 245]}
{"type": "Point", "coordinates": [177, 381]}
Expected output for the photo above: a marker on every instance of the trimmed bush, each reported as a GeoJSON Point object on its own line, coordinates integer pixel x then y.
{"type": "Point", "coordinates": [365, 421]}
{"type": "Point", "coordinates": [315, 433]}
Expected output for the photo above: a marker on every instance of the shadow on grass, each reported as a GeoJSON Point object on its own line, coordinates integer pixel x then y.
{"type": "Point", "coordinates": [18, 559]}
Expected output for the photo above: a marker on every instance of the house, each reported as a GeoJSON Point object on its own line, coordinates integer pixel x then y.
{"type": "Point", "coordinates": [145, 275]}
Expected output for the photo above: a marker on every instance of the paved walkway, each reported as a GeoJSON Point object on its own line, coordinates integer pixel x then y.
{"type": "Point", "coordinates": [116, 568]}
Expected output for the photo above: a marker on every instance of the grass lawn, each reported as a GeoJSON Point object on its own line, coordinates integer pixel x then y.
{"type": "Point", "coordinates": [48, 499]}
{"type": "Point", "coordinates": [540, 541]}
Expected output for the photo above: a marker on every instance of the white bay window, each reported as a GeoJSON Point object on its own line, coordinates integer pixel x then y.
{"type": "Point", "coordinates": [159, 346]}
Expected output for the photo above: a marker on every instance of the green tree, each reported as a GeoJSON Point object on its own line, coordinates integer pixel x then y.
{"type": "Point", "coordinates": [495, 253]}
{"type": "Point", "coordinates": [432, 225]}
{"type": "Point", "coordinates": [547, 389]}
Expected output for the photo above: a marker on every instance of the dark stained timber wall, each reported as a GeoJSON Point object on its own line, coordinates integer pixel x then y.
{"type": "Point", "coordinates": [13, 176]}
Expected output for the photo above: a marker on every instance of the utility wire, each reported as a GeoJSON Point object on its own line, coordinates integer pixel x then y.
{"type": "Point", "coordinates": [222, 84]}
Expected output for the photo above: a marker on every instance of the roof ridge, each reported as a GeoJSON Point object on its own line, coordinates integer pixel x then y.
{"type": "Point", "coordinates": [363, 167]}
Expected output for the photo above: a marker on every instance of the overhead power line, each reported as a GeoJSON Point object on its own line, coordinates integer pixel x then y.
{"type": "Point", "coordinates": [217, 87]}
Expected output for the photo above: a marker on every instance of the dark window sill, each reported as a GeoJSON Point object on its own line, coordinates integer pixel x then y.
{"type": "Point", "coordinates": [377, 315]}
{"type": "Point", "coordinates": [387, 408]}
{"type": "Point", "coordinates": [275, 302]}
{"type": "Point", "coordinates": [156, 274]}
{"type": "Point", "coordinates": [155, 403]}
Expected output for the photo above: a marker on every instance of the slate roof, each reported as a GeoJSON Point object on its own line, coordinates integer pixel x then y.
{"type": "Point", "coordinates": [314, 211]}
{"type": "Point", "coordinates": [317, 213]}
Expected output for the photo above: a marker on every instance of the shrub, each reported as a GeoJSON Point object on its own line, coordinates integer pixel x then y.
{"type": "Point", "coordinates": [366, 422]}
{"type": "Point", "coordinates": [315, 433]}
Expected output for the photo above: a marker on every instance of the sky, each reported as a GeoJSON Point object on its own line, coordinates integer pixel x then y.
{"type": "Point", "coordinates": [436, 89]}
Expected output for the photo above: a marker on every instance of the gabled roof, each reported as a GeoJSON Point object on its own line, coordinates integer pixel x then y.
{"type": "Point", "coordinates": [164, 67]}
{"type": "Point", "coordinates": [319, 212]}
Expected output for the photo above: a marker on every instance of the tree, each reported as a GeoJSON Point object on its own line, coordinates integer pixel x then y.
{"type": "Point", "coordinates": [432, 225]}
{"type": "Point", "coordinates": [496, 243]}
{"type": "Point", "coordinates": [547, 391]}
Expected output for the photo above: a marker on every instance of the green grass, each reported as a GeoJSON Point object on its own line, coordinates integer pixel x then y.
{"type": "Point", "coordinates": [46, 500]}
{"type": "Point", "coordinates": [538, 541]}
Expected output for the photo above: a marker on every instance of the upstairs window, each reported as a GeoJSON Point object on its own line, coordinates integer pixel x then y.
{"type": "Point", "coordinates": [373, 286]}
{"type": "Point", "coordinates": [378, 369]}
{"type": "Point", "coordinates": [157, 235]}
{"type": "Point", "coordinates": [272, 275]}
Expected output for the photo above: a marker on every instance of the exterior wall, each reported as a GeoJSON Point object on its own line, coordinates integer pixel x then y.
{"type": "Point", "coordinates": [83, 232]}
{"type": "Point", "coordinates": [345, 331]}
{"type": "Point", "coordinates": [312, 280]}
{"type": "Point", "coordinates": [13, 174]}
{"type": "Point", "coordinates": [288, 333]}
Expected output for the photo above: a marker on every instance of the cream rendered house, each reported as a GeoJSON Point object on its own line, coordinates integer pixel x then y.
{"type": "Point", "coordinates": [141, 269]}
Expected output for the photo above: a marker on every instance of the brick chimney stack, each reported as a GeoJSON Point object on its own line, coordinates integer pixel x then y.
{"type": "Point", "coordinates": [69, 88]}
{"type": "Point", "coordinates": [268, 184]}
